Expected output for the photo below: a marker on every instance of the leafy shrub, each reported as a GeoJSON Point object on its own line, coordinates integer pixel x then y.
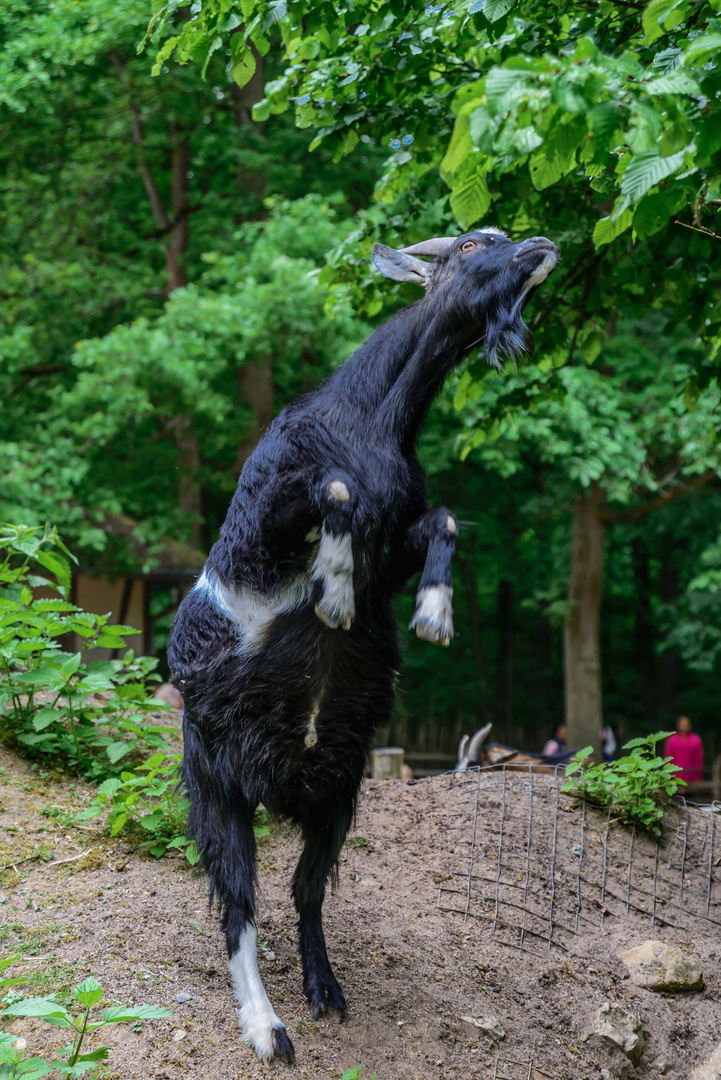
{"type": "Point", "coordinates": [53, 703]}
{"type": "Point", "coordinates": [146, 805]}
{"type": "Point", "coordinates": [71, 1062]}
{"type": "Point", "coordinates": [637, 787]}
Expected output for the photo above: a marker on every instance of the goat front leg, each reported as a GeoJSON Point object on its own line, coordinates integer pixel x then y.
{"type": "Point", "coordinates": [332, 570]}
{"type": "Point", "coordinates": [434, 536]}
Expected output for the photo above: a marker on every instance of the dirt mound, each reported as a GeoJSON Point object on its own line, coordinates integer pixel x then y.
{"type": "Point", "coordinates": [484, 897]}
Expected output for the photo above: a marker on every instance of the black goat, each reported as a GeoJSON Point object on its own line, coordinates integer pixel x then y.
{"type": "Point", "coordinates": [286, 651]}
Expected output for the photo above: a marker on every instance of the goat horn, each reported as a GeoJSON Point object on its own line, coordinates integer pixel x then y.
{"type": "Point", "coordinates": [477, 742]}
{"type": "Point", "coordinates": [462, 747]}
{"type": "Point", "coordinates": [440, 245]}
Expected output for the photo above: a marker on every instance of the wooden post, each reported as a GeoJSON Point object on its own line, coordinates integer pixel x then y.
{"type": "Point", "coordinates": [584, 711]}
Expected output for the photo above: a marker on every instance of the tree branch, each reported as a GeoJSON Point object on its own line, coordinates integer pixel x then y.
{"type": "Point", "coordinates": [660, 500]}
{"type": "Point", "coordinates": [146, 174]}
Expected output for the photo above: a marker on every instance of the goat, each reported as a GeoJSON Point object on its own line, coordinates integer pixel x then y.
{"type": "Point", "coordinates": [286, 649]}
{"type": "Point", "coordinates": [475, 753]}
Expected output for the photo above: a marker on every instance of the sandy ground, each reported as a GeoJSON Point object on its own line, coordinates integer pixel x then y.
{"type": "Point", "coordinates": [409, 969]}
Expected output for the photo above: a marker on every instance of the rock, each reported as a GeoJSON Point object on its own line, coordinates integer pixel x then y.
{"type": "Point", "coordinates": [620, 1030]}
{"type": "Point", "coordinates": [657, 966]}
{"type": "Point", "coordinates": [487, 1025]}
{"type": "Point", "coordinates": [709, 1070]}
{"type": "Point", "coordinates": [166, 692]}
{"type": "Point", "coordinates": [182, 998]}
{"type": "Point", "coordinates": [179, 1035]}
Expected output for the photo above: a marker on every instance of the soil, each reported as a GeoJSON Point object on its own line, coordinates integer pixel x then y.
{"type": "Point", "coordinates": [411, 969]}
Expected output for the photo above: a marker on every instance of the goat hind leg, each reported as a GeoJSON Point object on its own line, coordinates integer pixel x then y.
{"type": "Point", "coordinates": [322, 847]}
{"type": "Point", "coordinates": [435, 532]}
{"type": "Point", "coordinates": [228, 848]}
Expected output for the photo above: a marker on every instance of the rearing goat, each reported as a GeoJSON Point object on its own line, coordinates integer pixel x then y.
{"type": "Point", "coordinates": [286, 651]}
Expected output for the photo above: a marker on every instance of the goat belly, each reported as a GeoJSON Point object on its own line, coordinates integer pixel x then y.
{"type": "Point", "coordinates": [249, 712]}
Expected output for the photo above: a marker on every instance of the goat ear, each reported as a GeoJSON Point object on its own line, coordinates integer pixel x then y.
{"type": "Point", "coordinates": [401, 267]}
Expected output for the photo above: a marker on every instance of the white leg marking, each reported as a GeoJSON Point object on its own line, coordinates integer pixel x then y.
{"type": "Point", "coordinates": [338, 491]}
{"type": "Point", "coordinates": [433, 619]}
{"type": "Point", "coordinates": [256, 1014]}
{"type": "Point", "coordinates": [334, 567]}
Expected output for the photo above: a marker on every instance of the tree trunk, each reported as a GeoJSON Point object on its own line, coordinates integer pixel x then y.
{"type": "Point", "coordinates": [584, 713]}
{"type": "Point", "coordinates": [669, 661]}
{"type": "Point", "coordinates": [255, 388]}
{"type": "Point", "coordinates": [506, 629]}
{"type": "Point", "coordinates": [180, 222]}
{"type": "Point", "coordinates": [645, 660]}
{"type": "Point", "coordinates": [466, 572]}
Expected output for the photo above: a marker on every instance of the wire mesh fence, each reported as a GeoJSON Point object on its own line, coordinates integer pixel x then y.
{"type": "Point", "coordinates": [542, 868]}
{"type": "Point", "coordinates": [507, 1069]}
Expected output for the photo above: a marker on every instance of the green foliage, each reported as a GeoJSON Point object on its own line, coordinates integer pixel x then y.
{"type": "Point", "coordinates": [636, 788]}
{"type": "Point", "coordinates": [355, 1074]}
{"type": "Point", "coordinates": [85, 715]}
{"type": "Point", "coordinates": [71, 1061]}
{"type": "Point", "coordinates": [145, 805]}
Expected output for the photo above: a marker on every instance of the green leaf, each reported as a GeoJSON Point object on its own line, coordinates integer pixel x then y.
{"type": "Point", "coordinates": [545, 172]}
{"type": "Point", "coordinates": [120, 1014]}
{"type": "Point", "coordinates": [89, 991]}
{"type": "Point", "coordinates": [495, 9]}
{"type": "Point", "coordinates": [244, 67]}
{"type": "Point", "coordinates": [36, 1006]}
{"type": "Point", "coordinates": [607, 230]}
{"type": "Point", "coordinates": [101, 1054]}
{"type": "Point", "coordinates": [32, 1068]}
{"type": "Point", "coordinates": [45, 717]}
{"type": "Point", "coordinates": [117, 750]}
{"type": "Point", "coordinates": [647, 170]}
{"type": "Point", "coordinates": [471, 199]}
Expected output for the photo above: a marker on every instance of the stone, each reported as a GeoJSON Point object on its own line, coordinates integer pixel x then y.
{"type": "Point", "coordinates": [663, 968]}
{"type": "Point", "coordinates": [182, 998]}
{"type": "Point", "coordinates": [487, 1025]}
{"type": "Point", "coordinates": [710, 1069]}
{"type": "Point", "coordinates": [620, 1030]}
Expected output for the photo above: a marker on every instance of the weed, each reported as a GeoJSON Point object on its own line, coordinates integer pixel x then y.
{"type": "Point", "coordinates": [70, 1062]}
{"type": "Point", "coordinates": [53, 704]}
{"type": "Point", "coordinates": [355, 1074]}
{"type": "Point", "coordinates": [357, 842]}
{"type": "Point", "coordinates": [637, 787]}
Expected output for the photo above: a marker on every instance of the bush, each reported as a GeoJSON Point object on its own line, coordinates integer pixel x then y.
{"type": "Point", "coordinates": [87, 716]}
{"type": "Point", "coordinates": [637, 787]}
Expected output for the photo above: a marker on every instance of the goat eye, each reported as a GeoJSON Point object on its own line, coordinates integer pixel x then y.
{"type": "Point", "coordinates": [468, 245]}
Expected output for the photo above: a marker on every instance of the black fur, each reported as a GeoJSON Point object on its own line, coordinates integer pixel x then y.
{"type": "Point", "coordinates": [247, 712]}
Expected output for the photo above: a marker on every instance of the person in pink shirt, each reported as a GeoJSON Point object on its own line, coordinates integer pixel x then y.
{"type": "Point", "coordinates": [686, 749]}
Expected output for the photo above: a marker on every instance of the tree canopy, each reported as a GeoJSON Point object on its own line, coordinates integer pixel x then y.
{"type": "Point", "coordinates": [188, 209]}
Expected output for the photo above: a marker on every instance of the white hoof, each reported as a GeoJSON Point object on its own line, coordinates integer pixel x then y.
{"type": "Point", "coordinates": [433, 619]}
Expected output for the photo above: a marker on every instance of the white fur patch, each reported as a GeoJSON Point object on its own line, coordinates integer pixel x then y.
{"type": "Point", "coordinates": [253, 612]}
{"type": "Point", "coordinates": [338, 491]}
{"type": "Point", "coordinates": [433, 618]}
{"type": "Point", "coordinates": [334, 567]}
{"type": "Point", "coordinates": [451, 524]}
{"type": "Point", "coordinates": [256, 1014]}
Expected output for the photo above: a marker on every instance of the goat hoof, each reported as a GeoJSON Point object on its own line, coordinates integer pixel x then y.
{"type": "Point", "coordinates": [332, 620]}
{"type": "Point", "coordinates": [433, 619]}
{"type": "Point", "coordinates": [282, 1046]}
{"type": "Point", "coordinates": [324, 998]}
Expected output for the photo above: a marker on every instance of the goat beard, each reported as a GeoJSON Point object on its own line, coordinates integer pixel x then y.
{"type": "Point", "coordinates": [506, 337]}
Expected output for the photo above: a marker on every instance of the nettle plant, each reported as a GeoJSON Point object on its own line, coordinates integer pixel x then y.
{"type": "Point", "coordinates": [70, 1060]}
{"type": "Point", "coordinates": [637, 788]}
{"type": "Point", "coordinates": [55, 704]}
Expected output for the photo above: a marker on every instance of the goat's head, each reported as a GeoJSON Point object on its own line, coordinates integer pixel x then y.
{"type": "Point", "coordinates": [470, 750]}
{"type": "Point", "coordinates": [482, 281]}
